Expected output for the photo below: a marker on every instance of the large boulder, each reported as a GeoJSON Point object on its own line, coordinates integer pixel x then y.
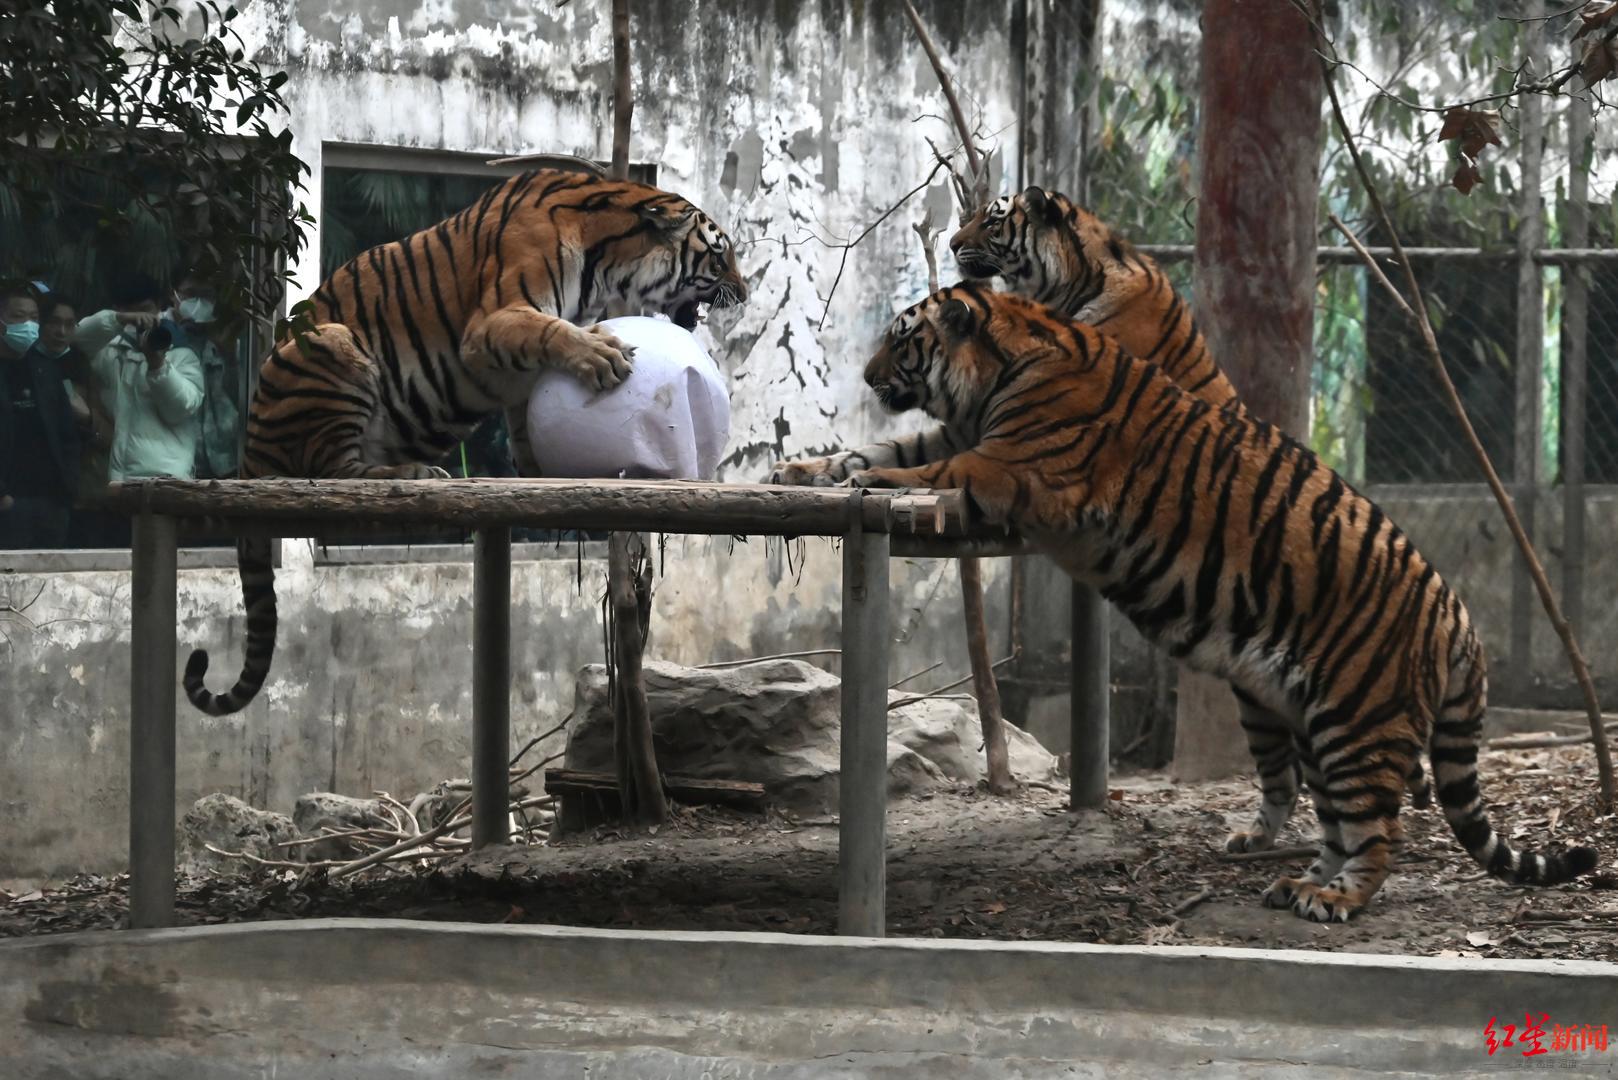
{"type": "Point", "coordinates": [947, 732]}
{"type": "Point", "coordinates": [774, 722]}
{"type": "Point", "coordinates": [229, 824]}
{"type": "Point", "coordinates": [778, 723]}
{"type": "Point", "coordinates": [327, 811]}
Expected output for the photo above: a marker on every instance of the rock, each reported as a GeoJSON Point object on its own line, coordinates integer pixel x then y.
{"type": "Point", "coordinates": [775, 722]}
{"type": "Point", "coordinates": [323, 810]}
{"type": "Point", "coordinates": [947, 733]}
{"type": "Point", "coordinates": [229, 824]}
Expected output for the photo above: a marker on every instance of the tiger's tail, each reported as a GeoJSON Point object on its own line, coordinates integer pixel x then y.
{"type": "Point", "coordinates": [1454, 754]}
{"type": "Point", "coordinates": [258, 593]}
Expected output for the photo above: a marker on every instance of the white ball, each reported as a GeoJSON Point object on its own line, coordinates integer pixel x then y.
{"type": "Point", "coordinates": [669, 420]}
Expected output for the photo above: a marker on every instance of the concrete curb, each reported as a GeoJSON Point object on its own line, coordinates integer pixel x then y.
{"type": "Point", "coordinates": [384, 998]}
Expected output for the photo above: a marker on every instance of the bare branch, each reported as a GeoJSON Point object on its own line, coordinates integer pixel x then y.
{"type": "Point", "coordinates": [1416, 308]}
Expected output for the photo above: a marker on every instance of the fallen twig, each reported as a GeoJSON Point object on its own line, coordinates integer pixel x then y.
{"type": "Point", "coordinates": [1190, 902]}
{"type": "Point", "coordinates": [1302, 851]}
{"type": "Point", "coordinates": [940, 691]}
{"type": "Point", "coordinates": [1541, 742]}
{"type": "Point", "coordinates": [775, 656]}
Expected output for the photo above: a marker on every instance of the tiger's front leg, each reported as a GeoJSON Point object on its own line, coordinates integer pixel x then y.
{"type": "Point", "coordinates": [829, 471]}
{"type": "Point", "coordinates": [991, 488]}
{"type": "Point", "coordinates": [523, 339]}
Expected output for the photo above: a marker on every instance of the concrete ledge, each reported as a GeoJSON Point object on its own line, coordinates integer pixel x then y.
{"type": "Point", "coordinates": [374, 998]}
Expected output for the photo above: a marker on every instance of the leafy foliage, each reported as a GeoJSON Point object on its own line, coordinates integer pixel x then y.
{"type": "Point", "coordinates": [138, 127]}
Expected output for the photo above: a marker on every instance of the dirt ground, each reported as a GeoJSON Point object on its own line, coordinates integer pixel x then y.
{"type": "Point", "coordinates": [1146, 870]}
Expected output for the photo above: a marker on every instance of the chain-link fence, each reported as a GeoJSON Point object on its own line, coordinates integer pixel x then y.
{"type": "Point", "coordinates": [1530, 341]}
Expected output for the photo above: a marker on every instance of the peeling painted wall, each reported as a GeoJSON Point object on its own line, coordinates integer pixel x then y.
{"type": "Point", "coordinates": [796, 124]}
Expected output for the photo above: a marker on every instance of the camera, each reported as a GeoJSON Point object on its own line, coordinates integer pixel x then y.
{"type": "Point", "coordinates": [158, 338]}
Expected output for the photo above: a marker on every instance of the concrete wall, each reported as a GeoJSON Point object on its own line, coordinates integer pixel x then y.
{"type": "Point", "coordinates": [371, 687]}
{"type": "Point", "coordinates": [795, 125]}
{"type": "Point", "coordinates": [367, 998]}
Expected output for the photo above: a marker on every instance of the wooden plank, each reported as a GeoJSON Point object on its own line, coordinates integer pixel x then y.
{"type": "Point", "coordinates": [1526, 452]}
{"type": "Point", "coordinates": [319, 507]}
{"type": "Point", "coordinates": [1091, 701]}
{"type": "Point", "coordinates": [153, 676]}
{"type": "Point", "coordinates": [863, 781]}
{"type": "Point", "coordinates": [491, 687]}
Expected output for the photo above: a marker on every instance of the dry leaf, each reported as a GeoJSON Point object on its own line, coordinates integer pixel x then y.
{"type": "Point", "coordinates": [1467, 177]}
{"type": "Point", "coordinates": [1554, 816]}
{"type": "Point", "coordinates": [1116, 794]}
{"type": "Point", "coordinates": [994, 907]}
{"type": "Point", "coordinates": [1485, 938]}
{"type": "Point", "coordinates": [1599, 61]}
{"type": "Point", "coordinates": [1475, 128]}
{"type": "Point", "coordinates": [1594, 17]}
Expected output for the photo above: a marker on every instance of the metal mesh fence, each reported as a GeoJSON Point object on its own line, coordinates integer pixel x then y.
{"type": "Point", "coordinates": [1379, 416]}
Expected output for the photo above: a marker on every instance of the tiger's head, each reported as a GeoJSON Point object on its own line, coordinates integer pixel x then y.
{"type": "Point", "coordinates": [1049, 250]}
{"type": "Point", "coordinates": [935, 356]}
{"type": "Point", "coordinates": [648, 251]}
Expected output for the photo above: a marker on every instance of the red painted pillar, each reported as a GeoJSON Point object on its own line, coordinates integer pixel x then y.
{"type": "Point", "coordinates": [1258, 157]}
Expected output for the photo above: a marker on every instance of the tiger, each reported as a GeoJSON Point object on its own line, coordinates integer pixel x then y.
{"type": "Point", "coordinates": [1230, 545]}
{"type": "Point", "coordinates": [1044, 246]}
{"type": "Point", "coordinates": [413, 343]}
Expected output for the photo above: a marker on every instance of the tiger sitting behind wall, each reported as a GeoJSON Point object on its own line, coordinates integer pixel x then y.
{"type": "Point", "coordinates": [1230, 545]}
{"type": "Point", "coordinates": [1044, 246]}
{"type": "Point", "coordinates": [415, 342]}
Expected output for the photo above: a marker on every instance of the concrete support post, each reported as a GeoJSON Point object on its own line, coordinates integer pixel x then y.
{"type": "Point", "coordinates": [1091, 700]}
{"type": "Point", "coordinates": [863, 790]}
{"type": "Point", "coordinates": [491, 686]}
{"type": "Point", "coordinates": [1575, 347]}
{"type": "Point", "coordinates": [153, 678]}
{"type": "Point", "coordinates": [1526, 454]}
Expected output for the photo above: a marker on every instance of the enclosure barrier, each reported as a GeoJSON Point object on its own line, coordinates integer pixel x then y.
{"type": "Point", "coordinates": [873, 525]}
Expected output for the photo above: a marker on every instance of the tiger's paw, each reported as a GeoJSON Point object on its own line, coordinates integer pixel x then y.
{"type": "Point", "coordinates": [807, 472]}
{"type": "Point", "coordinates": [1238, 843]}
{"type": "Point", "coordinates": [873, 479]}
{"type": "Point", "coordinates": [1309, 900]}
{"type": "Point", "coordinates": [595, 357]}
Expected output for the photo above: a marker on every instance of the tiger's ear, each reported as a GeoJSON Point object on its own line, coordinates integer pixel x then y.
{"type": "Point", "coordinates": [956, 317]}
{"type": "Point", "coordinates": [665, 218]}
{"type": "Point", "coordinates": [1037, 202]}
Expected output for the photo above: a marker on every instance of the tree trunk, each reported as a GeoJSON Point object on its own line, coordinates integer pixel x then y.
{"type": "Point", "coordinates": [983, 681]}
{"type": "Point", "coordinates": [640, 786]}
{"type": "Point", "coordinates": [623, 101]}
{"type": "Point", "coordinates": [1254, 276]}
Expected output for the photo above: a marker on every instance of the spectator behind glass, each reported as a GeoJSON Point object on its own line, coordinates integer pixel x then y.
{"type": "Point", "coordinates": [213, 340]}
{"type": "Point", "coordinates": [149, 376]}
{"type": "Point", "coordinates": [89, 527]}
{"type": "Point", "coordinates": [39, 439]}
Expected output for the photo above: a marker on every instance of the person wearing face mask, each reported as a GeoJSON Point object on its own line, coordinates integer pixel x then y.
{"type": "Point", "coordinates": [39, 439]}
{"type": "Point", "coordinates": [148, 373]}
{"type": "Point", "coordinates": [212, 339]}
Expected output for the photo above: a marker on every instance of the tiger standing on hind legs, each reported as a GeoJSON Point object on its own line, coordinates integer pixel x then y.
{"type": "Point", "coordinates": [1230, 545]}
{"type": "Point", "coordinates": [417, 341]}
{"type": "Point", "coordinates": [1046, 247]}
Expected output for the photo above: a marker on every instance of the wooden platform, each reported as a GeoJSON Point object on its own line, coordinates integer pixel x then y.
{"type": "Point", "coordinates": [874, 525]}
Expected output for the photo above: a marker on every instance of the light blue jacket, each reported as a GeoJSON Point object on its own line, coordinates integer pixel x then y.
{"type": "Point", "coordinates": [155, 416]}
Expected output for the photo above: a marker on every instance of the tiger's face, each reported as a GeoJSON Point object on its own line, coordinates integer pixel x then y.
{"type": "Point", "coordinates": [672, 259]}
{"type": "Point", "coordinates": [1045, 248]}
{"type": "Point", "coordinates": [929, 357]}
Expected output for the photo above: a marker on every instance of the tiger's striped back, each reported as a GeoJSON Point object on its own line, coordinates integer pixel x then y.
{"type": "Point", "coordinates": [1050, 250]}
